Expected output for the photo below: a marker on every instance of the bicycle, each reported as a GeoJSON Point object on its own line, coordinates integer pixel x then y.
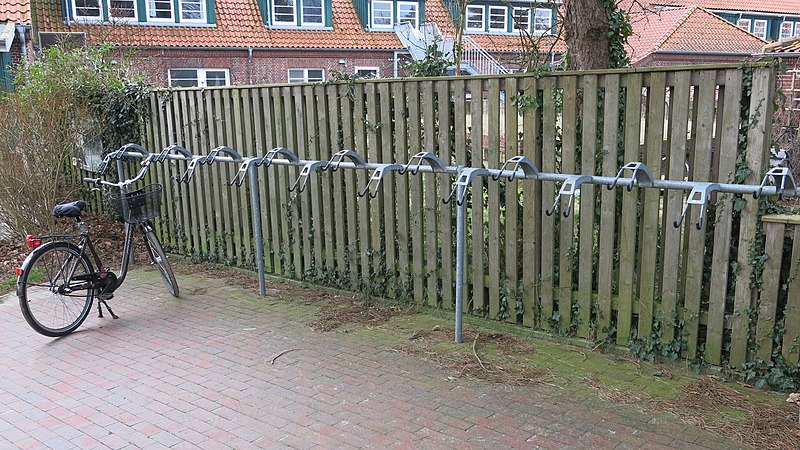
{"type": "Point", "coordinates": [60, 278]}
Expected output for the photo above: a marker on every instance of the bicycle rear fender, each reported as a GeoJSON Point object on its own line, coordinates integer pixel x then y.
{"type": "Point", "coordinates": [41, 249]}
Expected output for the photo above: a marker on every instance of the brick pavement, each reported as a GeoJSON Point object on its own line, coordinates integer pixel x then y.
{"type": "Point", "coordinates": [195, 372]}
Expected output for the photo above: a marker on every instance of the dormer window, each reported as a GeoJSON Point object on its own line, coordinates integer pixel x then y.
{"type": "Point", "coordinates": [298, 13]}
{"type": "Point", "coordinates": [495, 18]}
{"type": "Point", "coordinates": [386, 14]}
{"type": "Point", "coordinates": [543, 21]}
{"type": "Point", "coordinates": [475, 18]}
{"type": "Point", "coordinates": [408, 12]}
{"type": "Point", "coordinates": [382, 12]}
{"type": "Point", "coordinates": [521, 18]}
{"type": "Point", "coordinates": [147, 11]}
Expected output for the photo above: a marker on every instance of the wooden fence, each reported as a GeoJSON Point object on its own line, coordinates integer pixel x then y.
{"type": "Point", "coordinates": [615, 270]}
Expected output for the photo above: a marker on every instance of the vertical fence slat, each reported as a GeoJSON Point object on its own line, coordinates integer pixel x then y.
{"type": "Point", "coordinates": [768, 302]}
{"type": "Point", "coordinates": [429, 194]}
{"type": "Point", "coordinates": [566, 250]}
{"type": "Point", "coordinates": [259, 149]}
{"type": "Point", "coordinates": [271, 175]}
{"type": "Point", "coordinates": [757, 148]}
{"type": "Point", "coordinates": [479, 301]}
{"type": "Point", "coordinates": [548, 237]}
{"type": "Point", "coordinates": [229, 203]}
{"type": "Point", "coordinates": [791, 338]}
{"type": "Point", "coordinates": [389, 204]}
{"type": "Point", "coordinates": [493, 209]}
{"type": "Point", "coordinates": [401, 182]}
{"type": "Point", "coordinates": [315, 219]}
{"type": "Point", "coordinates": [679, 101]}
{"type": "Point", "coordinates": [460, 130]}
{"type": "Point", "coordinates": [511, 203]}
{"type": "Point", "coordinates": [587, 203]}
{"type": "Point", "coordinates": [531, 212]}
{"type": "Point", "coordinates": [445, 211]}
{"type": "Point", "coordinates": [239, 205]}
{"type": "Point", "coordinates": [351, 202]}
{"type": "Point", "coordinates": [324, 150]}
{"type": "Point", "coordinates": [372, 126]}
{"type": "Point", "coordinates": [303, 213]}
{"type": "Point", "coordinates": [342, 259]}
{"type": "Point", "coordinates": [417, 211]}
{"type": "Point", "coordinates": [608, 198]}
{"type": "Point", "coordinates": [656, 98]}
{"type": "Point", "coordinates": [360, 146]}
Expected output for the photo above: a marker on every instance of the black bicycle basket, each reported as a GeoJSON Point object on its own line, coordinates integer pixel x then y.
{"type": "Point", "coordinates": [139, 205]}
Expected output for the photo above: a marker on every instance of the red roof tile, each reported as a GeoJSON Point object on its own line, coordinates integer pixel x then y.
{"type": "Point", "coordinates": [689, 30]}
{"type": "Point", "coordinates": [791, 45]}
{"type": "Point", "coordinates": [770, 6]}
{"type": "Point", "coordinates": [17, 11]}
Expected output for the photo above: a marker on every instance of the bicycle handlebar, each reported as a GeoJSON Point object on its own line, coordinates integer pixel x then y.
{"type": "Point", "coordinates": [121, 184]}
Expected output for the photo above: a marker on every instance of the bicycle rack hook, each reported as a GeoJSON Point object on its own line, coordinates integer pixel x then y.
{"type": "Point", "coordinates": [698, 196]}
{"type": "Point", "coordinates": [336, 160]}
{"type": "Point", "coordinates": [528, 168]}
{"type": "Point", "coordinates": [307, 169]}
{"type": "Point", "coordinates": [241, 174]}
{"type": "Point", "coordinates": [436, 164]}
{"type": "Point", "coordinates": [212, 155]}
{"type": "Point", "coordinates": [173, 148]}
{"type": "Point", "coordinates": [787, 181]}
{"type": "Point", "coordinates": [287, 154]}
{"type": "Point", "coordinates": [641, 176]}
{"type": "Point", "coordinates": [119, 154]}
{"type": "Point", "coordinates": [377, 177]}
{"type": "Point", "coordinates": [465, 177]}
{"type": "Point", "coordinates": [570, 187]}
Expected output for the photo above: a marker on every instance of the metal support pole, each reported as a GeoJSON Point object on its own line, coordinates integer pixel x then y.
{"type": "Point", "coordinates": [255, 197]}
{"type": "Point", "coordinates": [461, 243]}
{"type": "Point", "coordinates": [120, 174]}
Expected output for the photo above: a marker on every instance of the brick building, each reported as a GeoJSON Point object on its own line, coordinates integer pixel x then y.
{"type": "Point", "coordinates": [15, 38]}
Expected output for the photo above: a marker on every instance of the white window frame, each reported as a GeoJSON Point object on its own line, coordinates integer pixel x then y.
{"type": "Point", "coordinates": [382, 26]}
{"type": "Point", "coordinates": [744, 24]}
{"type": "Point", "coordinates": [201, 75]}
{"type": "Point", "coordinates": [375, 70]}
{"type": "Point", "coordinates": [796, 29]}
{"type": "Point", "coordinates": [549, 14]}
{"type": "Point", "coordinates": [520, 25]}
{"type": "Point", "coordinates": [306, 23]}
{"type": "Point", "coordinates": [787, 29]}
{"type": "Point", "coordinates": [151, 10]}
{"type": "Point", "coordinates": [203, 15]}
{"type": "Point", "coordinates": [275, 14]}
{"type": "Point", "coordinates": [415, 6]}
{"type": "Point", "coordinates": [97, 18]}
{"type": "Point", "coordinates": [305, 75]}
{"type": "Point", "coordinates": [127, 19]}
{"type": "Point", "coordinates": [759, 22]}
{"type": "Point", "coordinates": [482, 10]}
{"type": "Point", "coordinates": [492, 11]}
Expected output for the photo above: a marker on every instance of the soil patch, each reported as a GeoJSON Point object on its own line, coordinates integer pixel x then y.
{"type": "Point", "coordinates": [340, 311]}
{"type": "Point", "coordinates": [713, 405]}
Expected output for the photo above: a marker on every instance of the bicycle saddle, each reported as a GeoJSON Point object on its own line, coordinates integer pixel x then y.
{"type": "Point", "coordinates": [71, 209]}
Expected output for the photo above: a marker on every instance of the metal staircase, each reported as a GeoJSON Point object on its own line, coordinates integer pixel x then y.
{"type": "Point", "coordinates": [475, 59]}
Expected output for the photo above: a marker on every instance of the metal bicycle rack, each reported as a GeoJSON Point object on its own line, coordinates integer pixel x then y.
{"type": "Point", "coordinates": [778, 181]}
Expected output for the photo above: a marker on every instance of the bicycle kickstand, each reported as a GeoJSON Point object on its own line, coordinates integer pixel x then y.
{"type": "Point", "coordinates": [100, 303]}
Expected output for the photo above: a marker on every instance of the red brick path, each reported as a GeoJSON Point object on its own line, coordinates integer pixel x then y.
{"type": "Point", "coordinates": [195, 372]}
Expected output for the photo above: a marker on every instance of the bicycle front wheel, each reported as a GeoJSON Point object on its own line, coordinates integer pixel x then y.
{"type": "Point", "coordinates": [54, 294]}
{"type": "Point", "coordinates": [159, 259]}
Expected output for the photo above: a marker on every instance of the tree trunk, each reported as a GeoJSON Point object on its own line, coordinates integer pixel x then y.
{"type": "Point", "coordinates": [586, 34]}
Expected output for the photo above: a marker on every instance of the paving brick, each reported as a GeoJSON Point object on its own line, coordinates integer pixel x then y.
{"type": "Point", "coordinates": [194, 372]}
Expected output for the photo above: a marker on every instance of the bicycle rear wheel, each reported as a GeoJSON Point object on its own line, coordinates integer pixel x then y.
{"type": "Point", "coordinates": [160, 260]}
{"type": "Point", "coordinates": [52, 301]}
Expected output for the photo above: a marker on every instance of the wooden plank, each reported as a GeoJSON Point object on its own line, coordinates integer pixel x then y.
{"type": "Point", "coordinates": [351, 202]}
{"type": "Point", "coordinates": [704, 98]}
{"type": "Point", "coordinates": [679, 101]}
{"type": "Point", "coordinates": [401, 184]}
{"type": "Point", "coordinates": [213, 186]}
{"type": "Point", "coordinates": [260, 130]}
{"type": "Point", "coordinates": [202, 179]}
{"type": "Point", "coordinates": [272, 176]}
{"type": "Point", "coordinates": [429, 194]}
{"type": "Point", "coordinates": [479, 300]}
{"type": "Point", "coordinates": [314, 220]}
{"type": "Point", "coordinates": [159, 175]}
{"type": "Point", "coordinates": [175, 197]}
{"type": "Point", "coordinates": [247, 148]}
{"type": "Point", "coordinates": [531, 208]}
{"type": "Point", "coordinates": [375, 210]}
{"type": "Point", "coordinates": [782, 218]}
{"type": "Point", "coordinates": [768, 301]}
{"type": "Point", "coordinates": [493, 208]}
{"type": "Point", "coordinates": [342, 256]}
{"type": "Point", "coordinates": [416, 212]}
{"type": "Point", "coordinates": [587, 205]}
{"type": "Point", "coordinates": [791, 337]}
{"type": "Point", "coordinates": [758, 143]}
{"type": "Point", "coordinates": [548, 195]}
{"type": "Point", "coordinates": [389, 200]}
{"type": "Point", "coordinates": [280, 181]}
{"type": "Point", "coordinates": [239, 204]}
{"type": "Point", "coordinates": [651, 203]}
{"type": "Point", "coordinates": [511, 202]}
{"type": "Point", "coordinates": [232, 238]}
{"type": "Point", "coordinates": [566, 254]}
{"type": "Point", "coordinates": [445, 212]}
{"type": "Point", "coordinates": [327, 204]}
{"type": "Point", "coordinates": [460, 130]}
{"type": "Point", "coordinates": [361, 176]}
{"type": "Point", "coordinates": [303, 210]}
{"type": "Point", "coordinates": [728, 137]}
{"type": "Point", "coordinates": [187, 192]}
{"type": "Point", "coordinates": [294, 139]}
{"type": "Point", "coordinates": [608, 214]}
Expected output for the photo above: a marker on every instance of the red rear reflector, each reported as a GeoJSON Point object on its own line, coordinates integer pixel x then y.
{"type": "Point", "coordinates": [18, 271]}
{"type": "Point", "coordinates": [33, 241]}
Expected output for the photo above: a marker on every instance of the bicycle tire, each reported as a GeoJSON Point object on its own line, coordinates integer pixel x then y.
{"type": "Point", "coordinates": [156, 253]}
{"type": "Point", "coordinates": [45, 305]}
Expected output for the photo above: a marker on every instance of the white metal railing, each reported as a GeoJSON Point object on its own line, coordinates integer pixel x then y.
{"type": "Point", "coordinates": [481, 60]}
